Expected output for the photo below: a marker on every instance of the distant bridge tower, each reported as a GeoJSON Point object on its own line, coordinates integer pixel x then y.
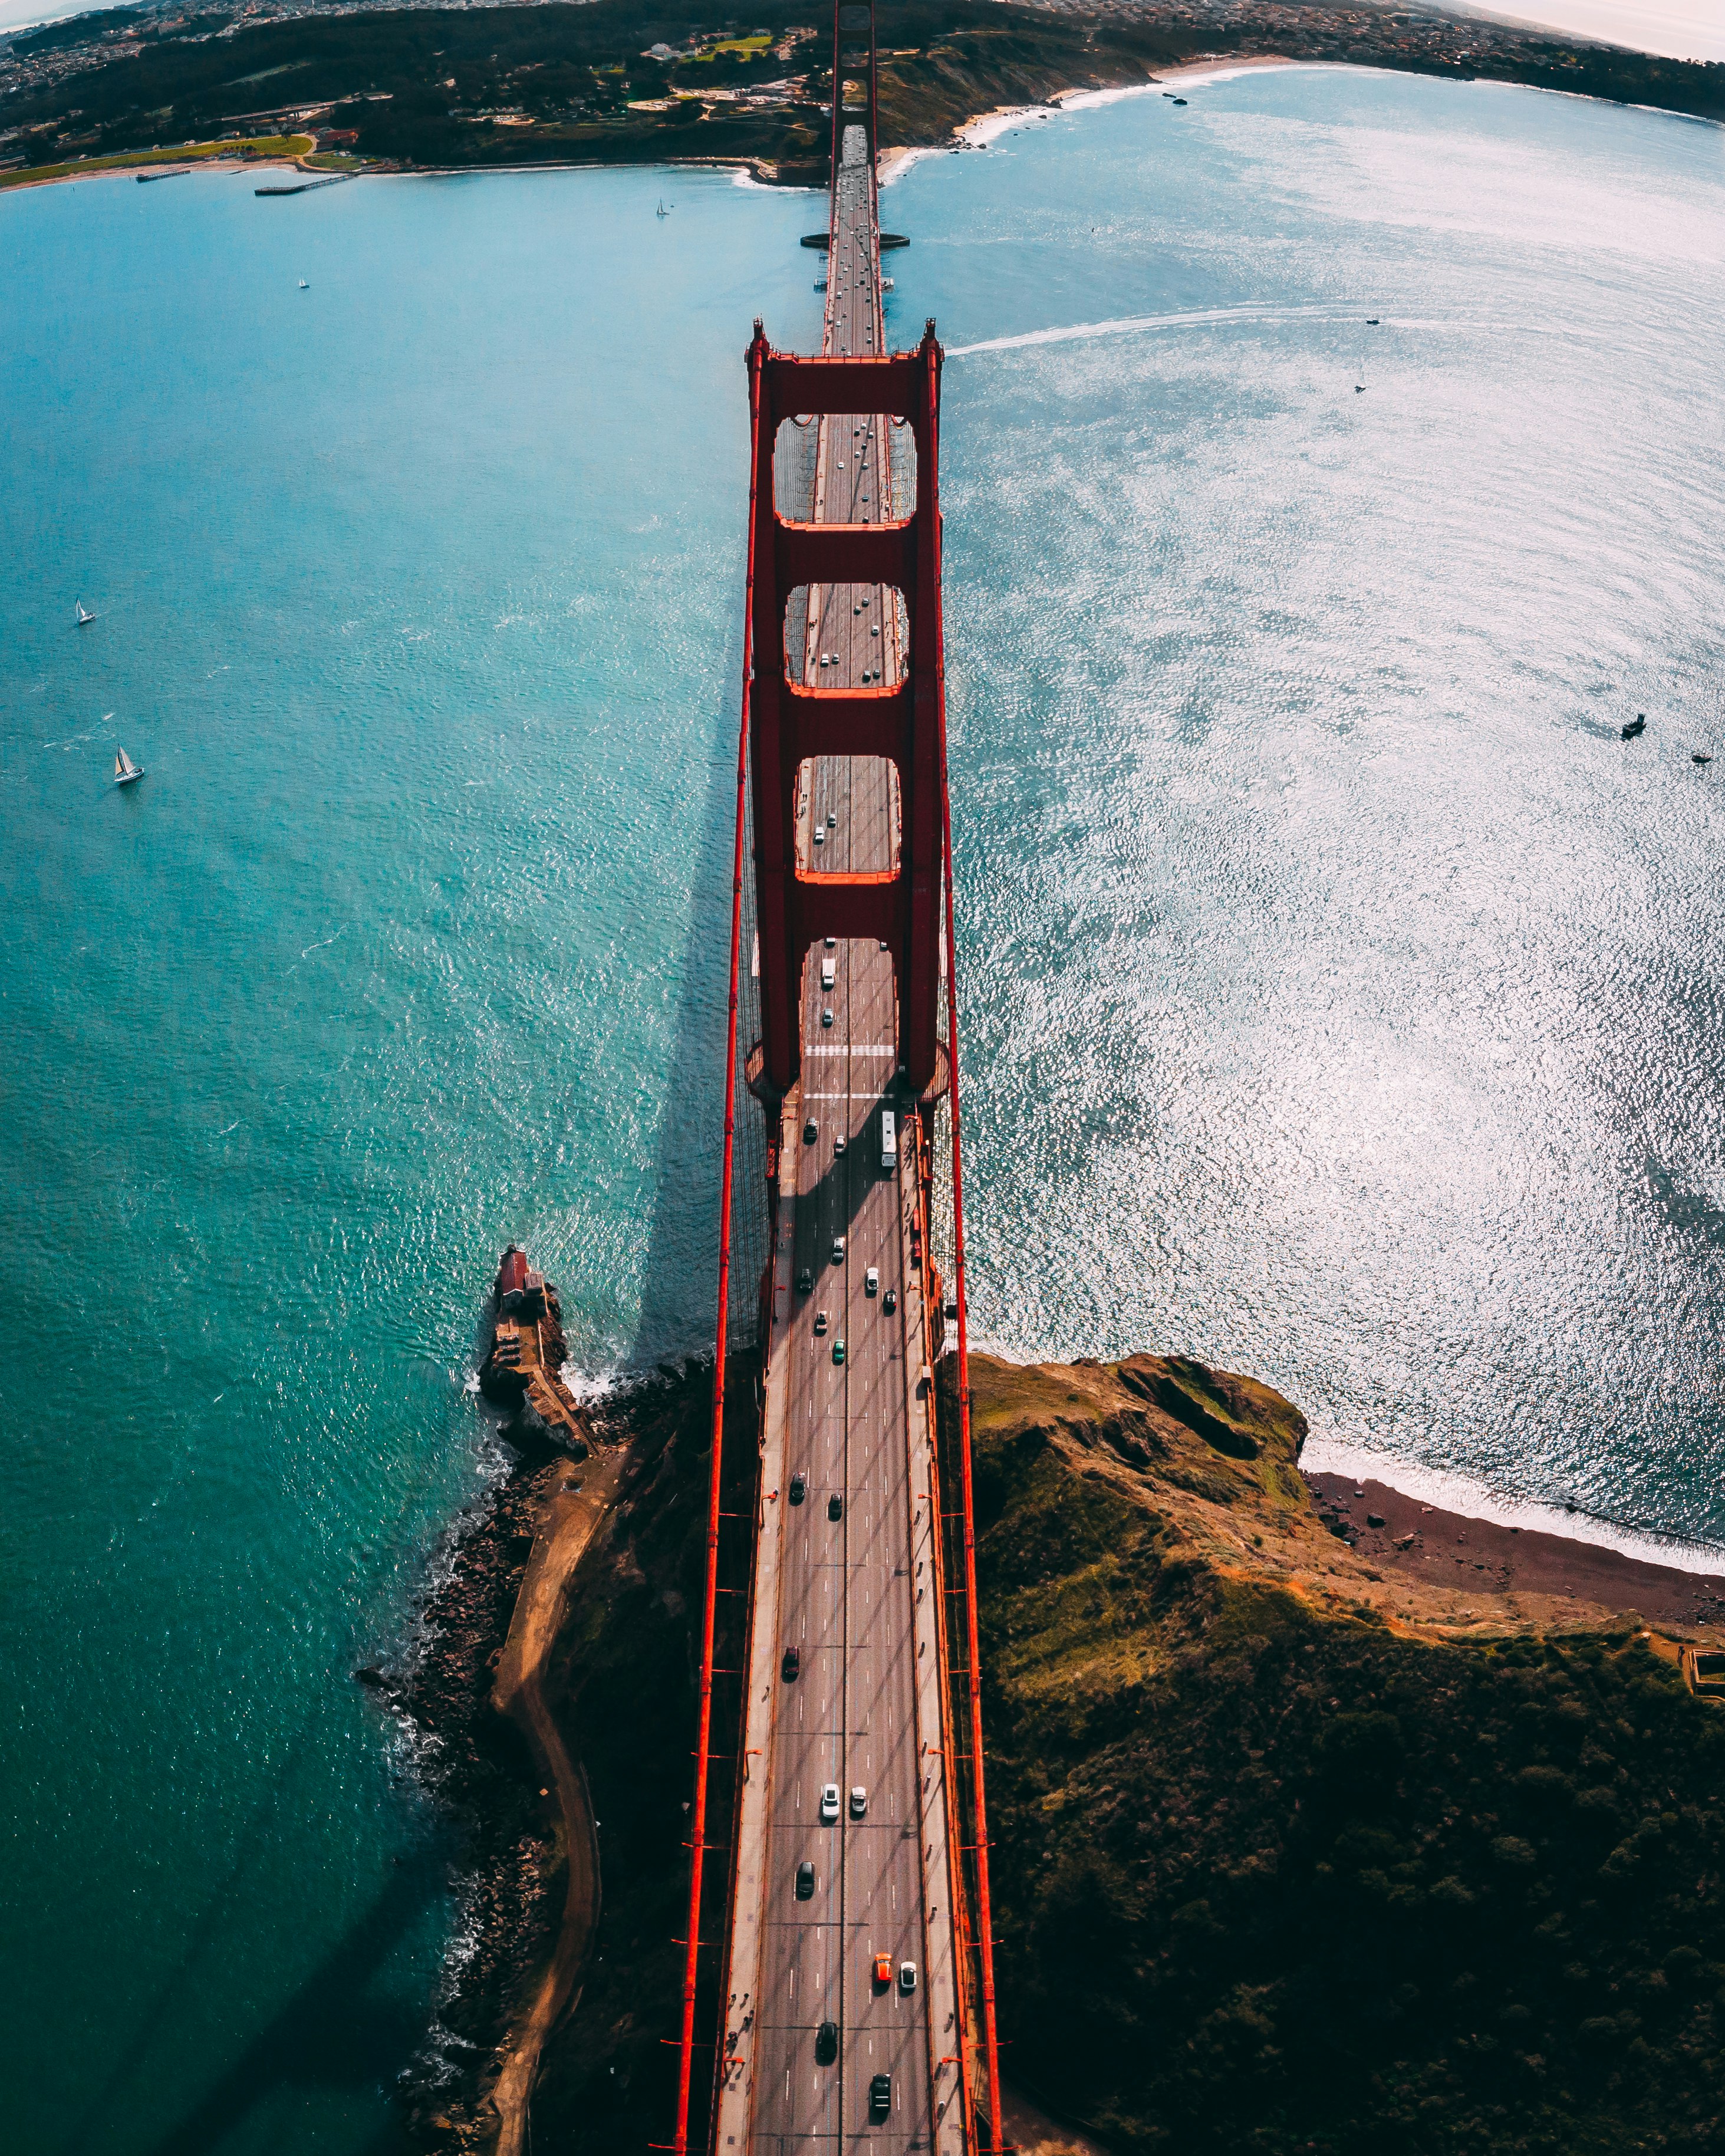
{"type": "Point", "coordinates": [791, 722]}
{"type": "Point", "coordinates": [854, 57]}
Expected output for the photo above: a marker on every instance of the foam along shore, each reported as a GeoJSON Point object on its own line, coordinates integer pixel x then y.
{"type": "Point", "coordinates": [989, 127]}
{"type": "Point", "coordinates": [1505, 1567]}
{"type": "Point", "coordinates": [1475, 1501]}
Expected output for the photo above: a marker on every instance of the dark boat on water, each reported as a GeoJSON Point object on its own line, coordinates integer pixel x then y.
{"type": "Point", "coordinates": [1636, 727]}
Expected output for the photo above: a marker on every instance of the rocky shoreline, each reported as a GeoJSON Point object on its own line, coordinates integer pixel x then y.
{"type": "Point", "coordinates": [479, 1774]}
{"type": "Point", "coordinates": [474, 1760]}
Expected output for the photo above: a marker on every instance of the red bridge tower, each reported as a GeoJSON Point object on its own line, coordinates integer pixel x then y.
{"type": "Point", "coordinates": [904, 721]}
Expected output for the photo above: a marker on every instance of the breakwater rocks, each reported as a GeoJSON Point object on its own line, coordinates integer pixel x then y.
{"type": "Point", "coordinates": [477, 1767]}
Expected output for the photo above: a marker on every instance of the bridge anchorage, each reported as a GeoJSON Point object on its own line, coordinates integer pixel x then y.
{"type": "Point", "coordinates": [838, 1970]}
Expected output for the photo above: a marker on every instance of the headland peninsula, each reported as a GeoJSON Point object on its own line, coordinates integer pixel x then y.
{"type": "Point", "coordinates": [1321, 1819]}
{"type": "Point", "coordinates": [393, 88]}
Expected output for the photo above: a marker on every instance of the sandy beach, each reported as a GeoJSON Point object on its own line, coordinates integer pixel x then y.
{"type": "Point", "coordinates": [1507, 1566]}
{"type": "Point", "coordinates": [988, 127]}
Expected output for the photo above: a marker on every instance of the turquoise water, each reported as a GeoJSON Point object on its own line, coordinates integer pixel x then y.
{"type": "Point", "coordinates": [1342, 998]}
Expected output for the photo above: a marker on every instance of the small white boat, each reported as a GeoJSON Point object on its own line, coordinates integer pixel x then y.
{"type": "Point", "coordinates": [125, 772]}
{"type": "Point", "coordinates": [304, 287]}
{"type": "Point", "coordinates": [664, 208]}
{"type": "Point", "coordinates": [83, 619]}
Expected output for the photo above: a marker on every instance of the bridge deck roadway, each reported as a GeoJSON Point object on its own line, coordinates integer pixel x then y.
{"type": "Point", "coordinates": [856, 1595]}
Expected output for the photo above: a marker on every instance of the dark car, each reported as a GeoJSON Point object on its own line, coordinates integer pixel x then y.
{"type": "Point", "coordinates": [799, 1489]}
{"type": "Point", "coordinates": [826, 2043]}
{"type": "Point", "coordinates": [889, 1301]}
{"type": "Point", "coordinates": [792, 1664]}
{"type": "Point", "coordinates": [880, 2097]}
{"type": "Point", "coordinates": [805, 1881]}
{"type": "Point", "coordinates": [805, 1282]}
{"type": "Point", "coordinates": [836, 1506]}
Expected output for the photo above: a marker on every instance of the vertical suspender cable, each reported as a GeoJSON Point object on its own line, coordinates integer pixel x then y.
{"type": "Point", "coordinates": [985, 1928]}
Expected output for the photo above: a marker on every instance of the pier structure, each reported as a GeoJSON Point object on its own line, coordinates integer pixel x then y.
{"type": "Point", "coordinates": [839, 1985]}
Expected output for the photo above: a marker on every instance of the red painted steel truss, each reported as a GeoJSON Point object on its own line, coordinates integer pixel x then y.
{"type": "Point", "coordinates": [789, 722]}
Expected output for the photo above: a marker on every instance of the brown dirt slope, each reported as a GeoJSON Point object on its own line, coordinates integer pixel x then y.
{"type": "Point", "coordinates": [1296, 1852]}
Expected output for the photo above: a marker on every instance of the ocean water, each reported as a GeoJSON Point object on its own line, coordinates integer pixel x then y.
{"type": "Point", "coordinates": [1342, 998]}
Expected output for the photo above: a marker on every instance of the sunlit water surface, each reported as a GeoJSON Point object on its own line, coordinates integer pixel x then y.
{"type": "Point", "coordinates": [1343, 997]}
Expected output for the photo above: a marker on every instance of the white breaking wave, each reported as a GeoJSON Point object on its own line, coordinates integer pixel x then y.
{"type": "Point", "coordinates": [1476, 1499]}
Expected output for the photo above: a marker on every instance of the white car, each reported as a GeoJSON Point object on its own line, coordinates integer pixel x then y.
{"type": "Point", "coordinates": [871, 1281]}
{"type": "Point", "coordinates": [829, 1805]}
{"type": "Point", "coordinates": [838, 1249]}
{"type": "Point", "coordinates": [838, 1143]}
{"type": "Point", "coordinates": [908, 1976]}
{"type": "Point", "coordinates": [859, 1802]}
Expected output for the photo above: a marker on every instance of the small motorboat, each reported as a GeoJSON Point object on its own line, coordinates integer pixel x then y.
{"type": "Point", "coordinates": [1371, 322]}
{"type": "Point", "coordinates": [1177, 101]}
{"type": "Point", "coordinates": [125, 772]}
{"type": "Point", "coordinates": [85, 619]}
{"type": "Point", "coordinates": [1696, 756]}
{"type": "Point", "coordinates": [1636, 727]}
{"type": "Point", "coordinates": [304, 287]}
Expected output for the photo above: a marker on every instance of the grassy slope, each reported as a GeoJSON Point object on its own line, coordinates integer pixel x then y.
{"type": "Point", "coordinates": [1289, 1859]}
{"type": "Point", "coordinates": [189, 153]}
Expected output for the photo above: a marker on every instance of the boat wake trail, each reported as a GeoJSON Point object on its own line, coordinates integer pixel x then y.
{"type": "Point", "coordinates": [1248, 317]}
{"type": "Point", "coordinates": [1134, 324]}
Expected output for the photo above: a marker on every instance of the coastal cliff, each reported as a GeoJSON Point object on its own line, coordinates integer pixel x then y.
{"type": "Point", "coordinates": [1297, 1850]}
{"type": "Point", "coordinates": [1298, 1842]}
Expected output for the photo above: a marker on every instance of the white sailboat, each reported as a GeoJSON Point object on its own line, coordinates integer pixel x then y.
{"type": "Point", "coordinates": [83, 619]}
{"type": "Point", "coordinates": [664, 210]}
{"type": "Point", "coordinates": [304, 285]}
{"type": "Point", "coordinates": [125, 772]}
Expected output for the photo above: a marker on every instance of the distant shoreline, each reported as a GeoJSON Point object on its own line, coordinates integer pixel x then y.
{"type": "Point", "coordinates": [976, 132]}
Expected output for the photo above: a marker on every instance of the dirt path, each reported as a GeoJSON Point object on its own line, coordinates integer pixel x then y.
{"type": "Point", "coordinates": [568, 1521]}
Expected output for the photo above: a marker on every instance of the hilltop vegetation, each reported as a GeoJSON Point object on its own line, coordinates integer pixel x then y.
{"type": "Point", "coordinates": [1277, 1871]}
